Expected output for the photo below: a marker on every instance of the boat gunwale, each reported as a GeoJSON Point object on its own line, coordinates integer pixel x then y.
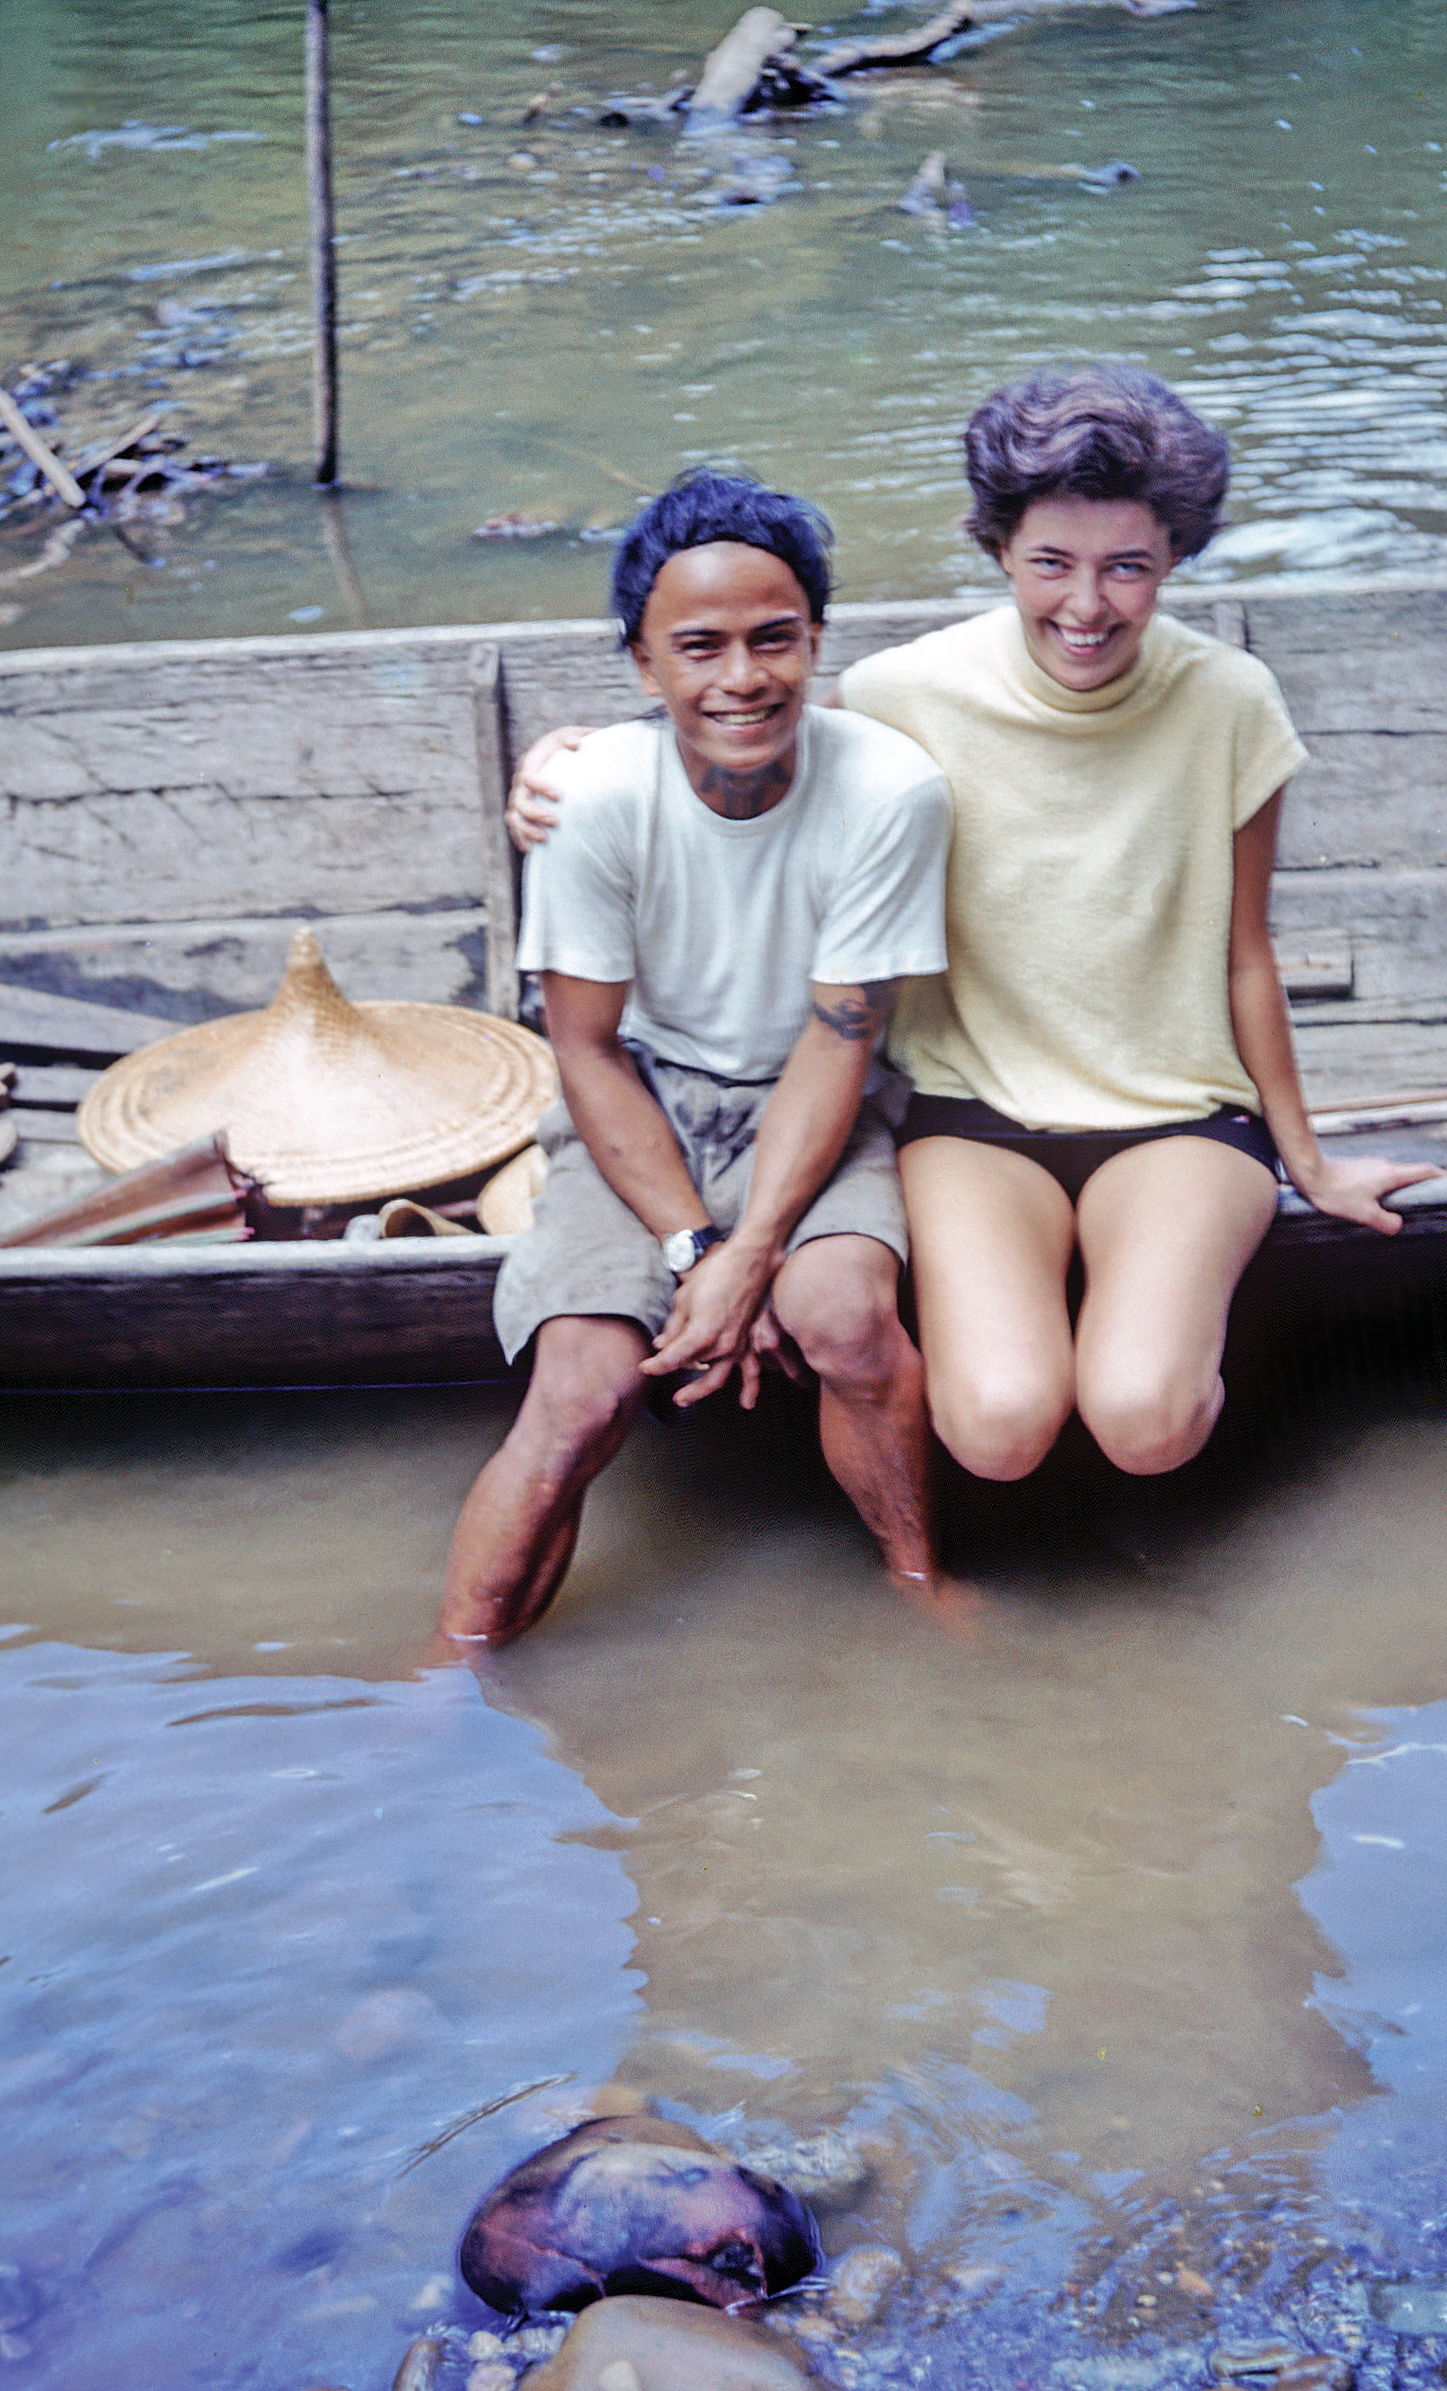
{"type": "Point", "coordinates": [842, 614]}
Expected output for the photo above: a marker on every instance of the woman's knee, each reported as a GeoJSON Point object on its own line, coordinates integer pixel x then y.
{"type": "Point", "coordinates": [1149, 1423]}
{"type": "Point", "coordinates": [997, 1426]}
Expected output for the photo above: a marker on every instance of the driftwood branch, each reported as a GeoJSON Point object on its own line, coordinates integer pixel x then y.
{"type": "Point", "coordinates": [731, 72]}
{"type": "Point", "coordinates": [899, 49]}
{"type": "Point", "coordinates": [753, 68]}
{"type": "Point", "coordinates": [59, 476]}
{"type": "Point", "coordinates": [968, 16]}
{"type": "Point", "coordinates": [101, 452]}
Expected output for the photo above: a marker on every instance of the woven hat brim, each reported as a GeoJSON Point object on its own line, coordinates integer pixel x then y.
{"type": "Point", "coordinates": [438, 1094]}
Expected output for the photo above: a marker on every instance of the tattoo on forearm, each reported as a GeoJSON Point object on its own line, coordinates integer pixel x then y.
{"type": "Point", "coordinates": [858, 1013]}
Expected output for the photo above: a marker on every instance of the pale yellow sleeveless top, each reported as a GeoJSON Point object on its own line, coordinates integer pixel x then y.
{"type": "Point", "coordinates": [1090, 876]}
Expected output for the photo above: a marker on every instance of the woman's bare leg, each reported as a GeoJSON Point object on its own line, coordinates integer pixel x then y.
{"type": "Point", "coordinates": [991, 1235]}
{"type": "Point", "coordinates": [1166, 1230]}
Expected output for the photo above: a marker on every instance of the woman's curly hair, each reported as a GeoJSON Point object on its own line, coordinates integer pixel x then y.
{"type": "Point", "coordinates": [1101, 430]}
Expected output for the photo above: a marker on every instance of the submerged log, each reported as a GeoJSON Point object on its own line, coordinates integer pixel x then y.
{"type": "Point", "coordinates": [731, 72]}
{"type": "Point", "coordinates": [955, 24]}
{"type": "Point", "coordinates": [752, 68]}
{"type": "Point", "coordinates": [899, 49]}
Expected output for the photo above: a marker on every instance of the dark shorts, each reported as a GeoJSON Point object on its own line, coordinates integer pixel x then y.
{"type": "Point", "coordinates": [1071, 1155]}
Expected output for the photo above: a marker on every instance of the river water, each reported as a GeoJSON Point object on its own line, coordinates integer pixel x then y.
{"type": "Point", "coordinates": [1109, 1929]}
{"type": "Point", "coordinates": [550, 319]}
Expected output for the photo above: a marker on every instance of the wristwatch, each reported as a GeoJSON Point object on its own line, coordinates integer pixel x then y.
{"type": "Point", "coordinates": [687, 1246]}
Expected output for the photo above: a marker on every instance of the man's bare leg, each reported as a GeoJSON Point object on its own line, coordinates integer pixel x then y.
{"type": "Point", "coordinates": [837, 1297]}
{"type": "Point", "coordinates": [515, 1537]}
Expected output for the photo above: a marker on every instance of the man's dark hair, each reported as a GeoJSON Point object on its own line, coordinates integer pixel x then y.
{"type": "Point", "coordinates": [1100, 430]}
{"type": "Point", "coordinates": [702, 507]}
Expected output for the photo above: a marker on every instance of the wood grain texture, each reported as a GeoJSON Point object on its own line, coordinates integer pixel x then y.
{"type": "Point", "coordinates": [1367, 798]}
{"type": "Point", "coordinates": [58, 1086]}
{"type": "Point", "coordinates": [308, 1315]}
{"type": "Point", "coordinates": [37, 1023]}
{"type": "Point", "coordinates": [1360, 660]}
{"type": "Point", "coordinates": [1396, 921]}
{"type": "Point", "coordinates": [234, 785]}
{"type": "Point", "coordinates": [191, 971]}
{"type": "Point", "coordinates": [329, 1315]}
{"type": "Point", "coordinates": [170, 814]}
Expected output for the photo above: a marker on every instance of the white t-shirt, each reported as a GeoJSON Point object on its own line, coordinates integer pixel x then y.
{"type": "Point", "coordinates": [720, 926]}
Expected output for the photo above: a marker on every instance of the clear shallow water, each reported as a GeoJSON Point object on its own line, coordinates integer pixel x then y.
{"type": "Point", "coordinates": [1113, 1929]}
{"type": "Point", "coordinates": [554, 318]}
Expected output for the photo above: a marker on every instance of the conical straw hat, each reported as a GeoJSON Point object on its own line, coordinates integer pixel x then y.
{"type": "Point", "coordinates": [329, 1102]}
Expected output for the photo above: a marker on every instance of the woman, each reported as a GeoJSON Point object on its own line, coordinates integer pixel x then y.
{"type": "Point", "coordinates": [1107, 1063]}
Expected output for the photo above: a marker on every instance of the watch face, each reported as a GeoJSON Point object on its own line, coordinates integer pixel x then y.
{"type": "Point", "coordinates": [680, 1251]}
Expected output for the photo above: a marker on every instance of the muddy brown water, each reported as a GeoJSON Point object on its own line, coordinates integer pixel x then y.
{"type": "Point", "coordinates": [1111, 1928]}
{"type": "Point", "coordinates": [550, 319]}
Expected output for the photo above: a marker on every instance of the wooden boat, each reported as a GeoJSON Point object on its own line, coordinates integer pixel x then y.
{"type": "Point", "coordinates": [173, 811]}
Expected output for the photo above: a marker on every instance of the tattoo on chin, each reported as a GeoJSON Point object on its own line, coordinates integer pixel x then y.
{"type": "Point", "coordinates": [743, 795]}
{"type": "Point", "coordinates": [858, 1013]}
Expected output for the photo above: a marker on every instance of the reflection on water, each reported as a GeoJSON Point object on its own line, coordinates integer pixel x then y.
{"type": "Point", "coordinates": [548, 318]}
{"type": "Point", "coordinates": [304, 1948]}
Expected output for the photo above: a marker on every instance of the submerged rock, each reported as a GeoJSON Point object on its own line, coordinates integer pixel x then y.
{"type": "Point", "coordinates": [826, 2167]}
{"type": "Point", "coordinates": [1411, 2308]}
{"type": "Point", "coordinates": [862, 2280]}
{"type": "Point", "coordinates": [418, 2370]}
{"type": "Point", "coordinates": [659, 2345]}
{"type": "Point", "coordinates": [635, 2204]}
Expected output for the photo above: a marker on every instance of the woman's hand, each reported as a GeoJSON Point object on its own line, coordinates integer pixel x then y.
{"type": "Point", "coordinates": [1353, 1189]}
{"type": "Point", "coordinates": [532, 801]}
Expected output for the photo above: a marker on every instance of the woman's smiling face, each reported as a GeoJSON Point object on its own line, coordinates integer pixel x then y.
{"type": "Point", "coordinates": [1086, 572]}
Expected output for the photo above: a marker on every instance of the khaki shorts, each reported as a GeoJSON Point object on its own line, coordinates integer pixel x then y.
{"type": "Point", "coordinates": [589, 1254]}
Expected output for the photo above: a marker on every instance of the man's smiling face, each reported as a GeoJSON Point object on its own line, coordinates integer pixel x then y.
{"type": "Point", "coordinates": [727, 642]}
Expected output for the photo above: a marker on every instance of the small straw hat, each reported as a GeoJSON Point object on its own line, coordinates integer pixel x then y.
{"type": "Point", "coordinates": [328, 1102]}
{"type": "Point", "coordinates": [506, 1203]}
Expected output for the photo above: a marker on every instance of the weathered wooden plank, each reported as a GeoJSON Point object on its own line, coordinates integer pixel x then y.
{"type": "Point", "coordinates": [32, 1021]}
{"type": "Point", "coordinates": [48, 1125]}
{"type": "Point", "coordinates": [497, 864]}
{"type": "Point", "coordinates": [162, 798]}
{"type": "Point", "coordinates": [565, 672]}
{"type": "Point", "coordinates": [1395, 920]}
{"type": "Point", "coordinates": [1320, 969]}
{"type": "Point", "coordinates": [257, 1315]}
{"type": "Point", "coordinates": [1362, 660]}
{"type": "Point", "coordinates": [54, 1086]}
{"type": "Point", "coordinates": [1343, 1061]}
{"type": "Point", "coordinates": [193, 970]}
{"type": "Point", "coordinates": [1368, 798]}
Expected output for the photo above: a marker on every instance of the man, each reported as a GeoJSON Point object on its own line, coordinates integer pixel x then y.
{"type": "Point", "coordinates": [719, 920]}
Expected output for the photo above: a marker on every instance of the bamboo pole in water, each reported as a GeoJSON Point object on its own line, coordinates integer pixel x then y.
{"type": "Point", "coordinates": [323, 249]}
